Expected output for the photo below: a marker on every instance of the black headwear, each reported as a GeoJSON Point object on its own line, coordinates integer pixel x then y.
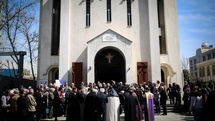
{"type": "Point", "coordinates": [112, 93]}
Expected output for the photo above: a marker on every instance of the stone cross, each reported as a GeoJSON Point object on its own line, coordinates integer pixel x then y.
{"type": "Point", "coordinates": [109, 57]}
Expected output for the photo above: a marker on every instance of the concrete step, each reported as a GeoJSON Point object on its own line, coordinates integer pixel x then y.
{"type": "Point", "coordinates": [172, 108]}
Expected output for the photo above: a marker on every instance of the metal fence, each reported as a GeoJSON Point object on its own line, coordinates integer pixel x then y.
{"type": "Point", "coordinates": [9, 83]}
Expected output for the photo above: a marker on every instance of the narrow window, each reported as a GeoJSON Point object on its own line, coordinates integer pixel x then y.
{"type": "Point", "coordinates": [204, 58]}
{"type": "Point", "coordinates": [209, 56]}
{"type": "Point", "coordinates": [203, 71]}
{"type": "Point", "coordinates": [191, 62]}
{"type": "Point", "coordinates": [55, 43]}
{"type": "Point", "coordinates": [108, 10]}
{"type": "Point", "coordinates": [200, 72]}
{"type": "Point", "coordinates": [87, 13]}
{"type": "Point", "coordinates": [196, 74]}
{"type": "Point", "coordinates": [129, 13]}
{"type": "Point", "coordinates": [161, 25]}
{"type": "Point", "coordinates": [213, 69]}
{"type": "Point", "coordinates": [208, 71]}
{"type": "Point", "coordinates": [191, 68]}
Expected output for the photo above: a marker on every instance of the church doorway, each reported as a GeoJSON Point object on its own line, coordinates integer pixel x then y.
{"type": "Point", "coordinates": [166, 74]}
{"type": "Point", "coordinates": [109, 65]}
{"type": "Point", "coordinates": [53, 75]}
{"type": "Point", "coordinates": [162, 76]}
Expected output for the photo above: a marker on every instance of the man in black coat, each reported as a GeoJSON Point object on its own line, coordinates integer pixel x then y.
{"type": "Point", "coordinates": [163, 99]}
{"type": "Point", "coordinates": [102, 99]}
{"type": "Point", "coordinates": [73, 109]}
{"type": "Point", "coordinates": [91, 106]}
{"type": "Point", "coordinates": [209, 107]}
{"type": "Point", "coordinates": [38, 97]}
{"type": "Point", "coordinates": [130, 106]}
{"type": "Point", "coordinates": [22, 107]}
{"type": "Point", "coordinates": [81, 104]}
{"type": "Point", "coordinates": [57, 105]}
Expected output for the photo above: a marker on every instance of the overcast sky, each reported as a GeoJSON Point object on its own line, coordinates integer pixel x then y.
{"type": "Point", "coordinates": [196, 24]}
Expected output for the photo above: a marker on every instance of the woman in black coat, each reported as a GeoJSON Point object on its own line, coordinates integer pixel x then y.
{"type": "Point", "coordinates": [163, 100]}
{"type": "Point", "coordinates": [57, 105]}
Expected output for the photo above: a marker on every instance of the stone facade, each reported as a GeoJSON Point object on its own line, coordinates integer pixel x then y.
{"type": "Point", "coordinates": [202, 65]}
{"type": "Point", "coordinates": [0, 31]}
{"type": "Point", "coordinates": [136, 43]}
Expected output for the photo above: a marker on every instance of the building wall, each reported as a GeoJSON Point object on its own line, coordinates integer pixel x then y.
{"type": "Point", "coordinates": [45, 60]}
{"type": "Point", "coordinates": [172, 58]}
{"type": "Point", "coordinates": [205, 65]}
{"type": "Point", "coordinates": [80, 34]}
{"type": "Point", "coordinates": [144, 35]}
{"type": "Point", "coordinates": [0, 24]}
{"type": "Point", "coordinates": [197, 63]}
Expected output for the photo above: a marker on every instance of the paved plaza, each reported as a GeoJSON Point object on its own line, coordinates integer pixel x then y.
{"type": "Point", "coordinates": [174, 113]}
{"type": "Point", "coordinates": [174, 117]}
{"type": "Point", "coordinates": [170, 117]}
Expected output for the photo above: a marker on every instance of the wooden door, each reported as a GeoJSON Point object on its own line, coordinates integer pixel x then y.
{"type": "Point", "coordinates": [142, 72]}
{"type": "Point", "coordinates": [77, 73]}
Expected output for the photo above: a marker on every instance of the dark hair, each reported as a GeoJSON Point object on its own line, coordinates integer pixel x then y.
{"type": "Point", "coordinates": [21, 91]}
{"type": "Point", "coordinates": [60, 88]}
{"type": "Point", "coordinates": [147, 88]}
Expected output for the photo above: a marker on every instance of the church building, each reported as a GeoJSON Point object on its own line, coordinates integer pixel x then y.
{"type": "Point", "coordinates": [132, 41]}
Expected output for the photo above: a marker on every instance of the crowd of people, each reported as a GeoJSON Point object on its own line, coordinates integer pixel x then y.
{"type": "Point", "coordinates": [103, 101]}
{"type": "Point", "coordinates": [199, 100]}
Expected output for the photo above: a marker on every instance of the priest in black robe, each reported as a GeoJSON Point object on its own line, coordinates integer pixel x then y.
{"type": "Point", "coordinates": [57, 105]}
{"type": "Point", "coordinates": [72, 111]}
{"type": "Point", "coordinates": [130, 106]}
{"type": "Point", "coordinates": [102, 99]}
{"type": "Point", "coordinates": [81, 104]}
{"type": "Point", "coordinates": [91, 106]}
{"type": "Point", "coordinates": [209, 107]}
{"type": "Point", "coordinates": [22, 107]}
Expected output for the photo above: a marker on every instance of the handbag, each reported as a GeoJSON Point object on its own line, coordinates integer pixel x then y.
{"type": "Point", "coordinates": [47, 110]}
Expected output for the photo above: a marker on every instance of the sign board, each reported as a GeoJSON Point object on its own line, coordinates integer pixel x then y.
{"type": "Point", "coordinates": [60, 82]}
{"type": "Point", "coordinates": [109, 38]}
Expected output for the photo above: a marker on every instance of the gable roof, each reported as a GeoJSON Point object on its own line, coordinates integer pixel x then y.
{"type": "Point", "coordinates": [109, 31]}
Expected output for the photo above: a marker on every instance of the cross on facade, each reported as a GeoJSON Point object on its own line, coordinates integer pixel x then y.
{"type": "Point", "coordinates": [109, 57]}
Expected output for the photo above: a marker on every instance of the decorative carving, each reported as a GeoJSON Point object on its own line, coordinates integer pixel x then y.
{"type": "Point", "coordinates": [77, 73]}
{"type": "Point", "coordinates": [109, 38]}
{"type": "Point", "coordinates": [142, 72]}
{"type": "Point", "coordinates": [109, 57]}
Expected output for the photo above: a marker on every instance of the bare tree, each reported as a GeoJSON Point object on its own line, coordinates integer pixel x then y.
{"type": "Point", "coordinates": [30, 37]}
{"type": "Point", "coordinates": [14, 10]}
{"type": "Point", "coordinates": [17, 20]}
{"type": "Point", "coordinates": [185, 63]}
{"type": "Point", "coordinates": [1, 64]}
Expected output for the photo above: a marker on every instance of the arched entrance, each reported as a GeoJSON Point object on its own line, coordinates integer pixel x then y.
{"type": "Point", "coordinates": [53, 75]}
{"type": "Point", "coordinates": [109, 65]}
{"type": "Point", "coordinates": [166, 74]}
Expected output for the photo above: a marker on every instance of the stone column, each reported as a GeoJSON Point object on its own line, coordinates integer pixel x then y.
{"type": "Point", "coordinates": [154, 41]}
{"type": "Point", "coordinates": [65, 23]}
{"type": "Point", "coordinates": [205, 71]}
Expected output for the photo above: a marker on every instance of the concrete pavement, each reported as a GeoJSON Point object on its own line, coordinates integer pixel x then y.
{"type": "Point", "coordinates": [170, 117]}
